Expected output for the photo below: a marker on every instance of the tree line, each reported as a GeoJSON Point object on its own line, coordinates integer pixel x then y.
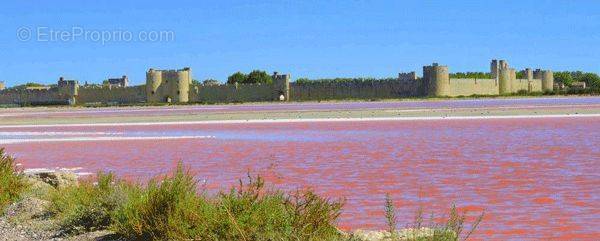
{"type": "Point", "coordinates": [306, 81]}
{"type": "Point", "coordinates": [471, 75]}
{"type": "Point", "coordinates": [592, 80]}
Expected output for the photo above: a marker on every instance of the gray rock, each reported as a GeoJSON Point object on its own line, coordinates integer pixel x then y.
{"type": "Point", "coordinates": [56, 178]}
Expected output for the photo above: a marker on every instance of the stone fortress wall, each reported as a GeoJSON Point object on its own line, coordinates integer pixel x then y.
{"type": "Point", "coordinates": [504, 81]}
{"type": "Point", "coordinates": [237, 93]}
{"type": "Point", "coordinates": [175, 86]}
{"type": "Point", "coordinates": [33, 97]}
{"type": "Point", "coordinates": [383, 89]}
{"type": "Point", "coordinates": [111, 95]}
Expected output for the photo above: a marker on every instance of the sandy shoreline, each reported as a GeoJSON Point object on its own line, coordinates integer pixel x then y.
{"type": "Point", "coordinates": [300, 120]}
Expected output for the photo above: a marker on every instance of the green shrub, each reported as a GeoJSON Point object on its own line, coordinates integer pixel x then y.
{"type": "Point", "coordinates": [89, 206]}
{"type": "Point", "coordinates": [173, 210]}
{"type": "Point", "coordinates": [167, 210]}
{"type": "Point", "coordinates": [256, 214]}
{"type": "Point", "coordinates": [12, 183]}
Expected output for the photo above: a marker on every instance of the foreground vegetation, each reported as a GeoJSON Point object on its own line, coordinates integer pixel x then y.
{"type": "Point", "coordinates": [12, 184]}
{"type": "Point", "coordinates": [172, 208]}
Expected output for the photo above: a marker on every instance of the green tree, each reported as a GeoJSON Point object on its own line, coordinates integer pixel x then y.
{"type": "Point", "coordinates": [520, 75]}
{"type": "Point", "coordinates": [591, 79]}
{"type": "Point", "coordinates": [258, 76]}
{"type": "Point", "coordinates": [564, 77]}
{"type": "Point", "coordinates": [302, 81]}
{"type": "Point", "coordinates": [471, 75]}
{"type": "Point", "coordinates": [237, 77]}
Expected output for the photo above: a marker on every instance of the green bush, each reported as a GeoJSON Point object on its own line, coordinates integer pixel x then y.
{"type": "Point", "coordinates": [12, 183]}
{"type": "Point", "coordinates": [256, 214]}
{"type": "Point", "coordinates": [89, 206]}
{"type": "Point", "coordinates": [167, 210]}
{"type": "Point", "coordinates": [173, 210]}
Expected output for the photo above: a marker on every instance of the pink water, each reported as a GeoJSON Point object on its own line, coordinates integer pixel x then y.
{"type": "Point", "coordinates": [536, 179]}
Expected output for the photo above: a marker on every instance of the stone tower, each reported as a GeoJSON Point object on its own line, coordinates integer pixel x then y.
{"type": "Point", "coordinates": [504, 76]}
{"type": "Point", "coordinates": [168, 86]}
{"type": "Point", "coordinates": [547, 80]}
{"type": "Point", "coordinates": [547, 77]}
{"type": "Point", "coordinates": [437, 80]}
{"type": "Point", "coordinates": [528, 74]}
{"type": "Point", "coordinates": [69, 89]}
{"type": "Point", "coordinates": [2, 86]}
{"type": "Point", "coordinates": [281, 86]}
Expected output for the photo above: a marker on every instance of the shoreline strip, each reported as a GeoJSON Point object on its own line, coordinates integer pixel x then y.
{"type": "Point", "coordinates": [301, 120]}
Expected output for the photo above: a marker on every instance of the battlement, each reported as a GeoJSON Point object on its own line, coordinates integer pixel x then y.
{"type": "Point", "coordinates": [169, 70]}
{"type": "Point", "coordinates": [410, 76]}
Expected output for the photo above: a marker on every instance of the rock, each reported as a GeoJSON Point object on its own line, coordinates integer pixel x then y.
{"type": "Point", "coordinates": [369, 235]}
{"type": "Point", "coordinates": [28, 208]}
{"type": "Point", "coordinates": [58, 179]}
{"type": "Point", "coordinates": [403, 234]}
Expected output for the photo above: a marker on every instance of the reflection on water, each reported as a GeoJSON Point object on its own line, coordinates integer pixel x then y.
{"type": "Point", "coordinates": [536, 178]}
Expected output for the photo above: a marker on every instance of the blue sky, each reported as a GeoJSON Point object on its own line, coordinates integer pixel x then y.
{"type": "Point", "coordinates": [315, 39]}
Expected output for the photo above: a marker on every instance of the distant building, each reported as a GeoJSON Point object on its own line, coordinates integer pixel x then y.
{"type": "Point", "coordinates": [2, 85]}
{"type": "Point", "coordinates": [62, 82]}
{"type": "Point", "coordinates": [118, 82]}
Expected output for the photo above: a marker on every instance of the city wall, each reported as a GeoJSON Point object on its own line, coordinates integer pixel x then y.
{"type": "Point", "coordinates": [384, 89]}
{"type": "Point", "coordinates": [33, 97]}
{"type": "Point", "coordinates": [114, 95]}
{"type": "Point", "coordinates": [175, 86]}
{"type": "Point", "coordinates": [533, 85]}
{"type": "Point", "coordinates": [232, 93]}
{"type": "Point", "coordinates": [467, 87]}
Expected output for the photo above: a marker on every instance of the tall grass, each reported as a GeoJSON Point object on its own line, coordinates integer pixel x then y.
{"type": "Point", "coordinates": [165, 210]}
{"type": "Point", "coordinates": [452, 229]}
{"type": "Point", "coordinates": [12, 183]}
{"type": "Point", "coordinates": [89, 206]}
{"type": "Point", "coordinates": [390, 216]}
{"type": "Point", "coordinates": [172, 209]}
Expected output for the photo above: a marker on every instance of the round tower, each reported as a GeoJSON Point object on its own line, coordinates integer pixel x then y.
{"type": "Point", "coordinates": [439, 82]}
{"type": "Point", "coordinates": [153, 82]}
{"type": "Point", "coordinates": [504, 81]}
{"type": "Point", "coordinates": [547, 80]}
{"type": "Point", "coordinates": [513, 80]}
{"type": "Point", "coordinates": [528, 74]}
{"type": "Point", "coordinates": [183, 85]}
